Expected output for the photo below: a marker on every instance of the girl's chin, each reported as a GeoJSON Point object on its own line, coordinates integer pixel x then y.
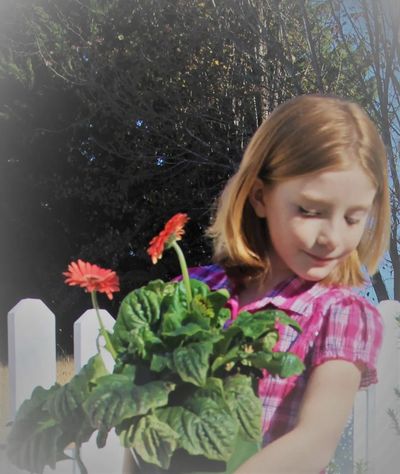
{"type": "Point", "coordinates": [316, 273]}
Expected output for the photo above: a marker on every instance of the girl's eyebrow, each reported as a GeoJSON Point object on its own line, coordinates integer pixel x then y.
{"type": "Point", "coordinates": [323, 202]}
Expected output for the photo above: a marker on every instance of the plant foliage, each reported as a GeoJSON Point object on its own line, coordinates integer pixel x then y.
{"type": "Point", "coordinates": [183, 385]}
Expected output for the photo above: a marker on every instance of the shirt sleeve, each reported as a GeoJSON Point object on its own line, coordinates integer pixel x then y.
{"type": "Point", "coordinates": [212, 275]}
{"type": "Point", "coordinates": [352, 330]}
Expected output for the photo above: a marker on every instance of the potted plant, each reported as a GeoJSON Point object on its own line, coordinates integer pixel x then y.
{"type": "Point", "coordinates": [183, 392]}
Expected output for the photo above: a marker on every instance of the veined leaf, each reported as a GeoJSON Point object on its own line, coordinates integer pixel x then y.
{"type": "Point", "coordinates": [204, 426]}
{"type": "Point", "coordinates": [142, 342]}
{"type": "Point", "coordinates": [252, 325]}
{"type": "Point", "coordinates": [173, 317]}
{"type": "Point", "coordinates": [160, 362]}
{"type": "Point", "coordinates": [139, 309]}
{"type": "Point", "coordinates": [151, 395]}
{"type": "Point", "coordinates": [69, 397]}
{"type": "Point", "coordinates": [223, 316]}
{"type": "Point", "coordinates": [255, 325]}
{"type": "Point", "coordinates": [192, 362]}
{"type": "Point", "coordinates": [115, 399]}
{"type": "Point", "coordinates": [184, 330]}
{"type": "Point", "coordinates": [155, 441]}
{"type": "Point", "coordinates": [220, 361]}
{"type": "Point", "coordinates": [160, 288]}
{"type": "Point", "coordinates": [245, 405]}
{"type": "Point", "coordinates": [33, 442]}
{"type": "Point", "coordinates": [269, 340]}
{"type": "Point", "coordinates": [283, 364]}
{"type": "Point", "coordinates": [214, 390]}
{"type": "Point", "coordinates": [218, 299]}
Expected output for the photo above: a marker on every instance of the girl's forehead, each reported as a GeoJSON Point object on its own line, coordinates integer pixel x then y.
{"type": "Point", "coordinates": [351, 184]}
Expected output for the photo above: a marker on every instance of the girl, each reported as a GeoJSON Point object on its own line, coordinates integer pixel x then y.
{"type": "Point", "coordinates": [307, 208]}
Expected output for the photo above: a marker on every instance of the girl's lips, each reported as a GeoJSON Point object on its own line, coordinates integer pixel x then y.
{"type": "Point", "coordinates": [319, 259]}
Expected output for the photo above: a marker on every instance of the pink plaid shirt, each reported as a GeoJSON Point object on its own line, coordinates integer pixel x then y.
{"type": "Point", "coordinates": [336, 324]}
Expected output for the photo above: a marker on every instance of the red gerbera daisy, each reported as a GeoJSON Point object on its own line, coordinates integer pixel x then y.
{"type": "Point", "coordinates": [172, 231]}
{"type": "Point", "coordinates": [92, 278]}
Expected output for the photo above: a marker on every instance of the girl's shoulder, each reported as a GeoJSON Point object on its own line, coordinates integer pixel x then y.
{"type": "Point", "coordinates": [213, 275]}
{"type": "Point", "coordinates": [351, 328]}
{"type": "Point", "coordinates": [344, 300]}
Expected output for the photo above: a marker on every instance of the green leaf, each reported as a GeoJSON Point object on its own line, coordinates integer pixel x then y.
{"type": "Point", "coordinates": [283, 364]}
{"type": "Point", "coordinates": [160, 362]}
{"type": "Point", "coordinates": [151, 395]}
{"type": "Point", "coordinates": [160, 288]}
{"type": "Point", "coordinates": [139, 309]}
{"type": "Point", "coordinates": [180, 321]}
{"type": "Point", "coordinates": [184, 330]}
{"type": "Point", "coordinates": [69, 397]}
{"type": "Point", "coordinates": [288, 321]}
{"type": "Point", "coordinates": [218, 298]}
{"type": "Point", "coordinates": [176, 301]}
{"type": "Point", "coordinates": [255, 325]}
{"type": "Point", "coordinates": [115, 399]}
{"type": "Point", "coordinates": [205, 427]}
{"type": "Point", "coordinates": [192, 361]}
{"type": "Point", "coordinates": [109, 403]}
{"type": "Point", "coordinates": [142, 342]}
{"type": "Point", "coordinates": [267, 342]}
{"type": "Point", "coordinates": [172, 319]}
{"type": "Point", "coordinates": [223, 315]}
{"type": "Point", "coordinates": [245, 406]}
{"type": "Point", "coordinates": [33, 442]}
{"type": "Point", "coordinates": [47, 422]}
{"type": "Point", "coordinates": [155, 441]}
{"type": "Point", "coordinates": [198, 287]}
{"type": "Point", "coordinates": [214, 390]}
{"type": "Point", "coordinates": [231, 356]}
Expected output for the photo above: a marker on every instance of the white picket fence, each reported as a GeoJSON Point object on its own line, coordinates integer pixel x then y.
{"type": "Point", "coordinates": [32, 362]}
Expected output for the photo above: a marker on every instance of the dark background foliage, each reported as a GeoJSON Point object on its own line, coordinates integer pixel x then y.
{"type": "Point", "coordinates": [115, 115]}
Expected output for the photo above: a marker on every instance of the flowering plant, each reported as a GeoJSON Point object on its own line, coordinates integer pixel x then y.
{"type": "Point", "coordinates": [183, 392]}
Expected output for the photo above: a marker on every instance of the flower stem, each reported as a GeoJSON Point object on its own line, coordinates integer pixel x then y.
{"type": "Point", "coordinates": [103, 331]}
{"type": "Point", "coordinates": [184, 269]}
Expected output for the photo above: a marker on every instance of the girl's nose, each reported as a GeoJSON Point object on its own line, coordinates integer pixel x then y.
{"type": "Point", "coordinates": [329, 236]}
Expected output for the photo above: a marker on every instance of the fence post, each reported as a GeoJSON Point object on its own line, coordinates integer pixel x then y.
{"type": "Point", "coordinates": [386, 443]}
{"type": "Point", "coordinates": [86, 329]}
{"type": "Point", "coordinates": [375, 440]}
{"type": "Point", "coordinates": [31, 349]}
{"type": "Point", "coordinates": [360, 427]}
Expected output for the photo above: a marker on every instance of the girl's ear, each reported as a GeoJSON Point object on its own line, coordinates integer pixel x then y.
{"type": "Point", "coordinates": [257, 198]}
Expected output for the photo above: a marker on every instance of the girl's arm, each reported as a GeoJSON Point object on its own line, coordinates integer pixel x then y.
{"type": "Point", "coordinates": [325, 408]}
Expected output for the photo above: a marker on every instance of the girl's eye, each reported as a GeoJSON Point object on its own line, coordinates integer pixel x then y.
{"type": "Point", "coordinates": [351, 221]}
{"type": "Point", "coordinates": [307, 212]}
{"type": "Point", "coordinates": [313, 213]}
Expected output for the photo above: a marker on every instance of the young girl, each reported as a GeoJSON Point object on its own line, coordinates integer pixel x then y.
{"type": "Point", "coordinates": [308, 206]}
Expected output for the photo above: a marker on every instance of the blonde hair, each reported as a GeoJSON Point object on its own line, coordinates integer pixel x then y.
{"type": "Point", "coordinates": [306, 134]}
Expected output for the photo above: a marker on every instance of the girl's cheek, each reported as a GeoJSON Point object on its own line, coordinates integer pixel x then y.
{"type": "Point", "coordinates": [304, 230]}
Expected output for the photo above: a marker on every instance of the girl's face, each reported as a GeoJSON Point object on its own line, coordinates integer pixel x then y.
{"type": "Point", "coordinates": [314, 221]}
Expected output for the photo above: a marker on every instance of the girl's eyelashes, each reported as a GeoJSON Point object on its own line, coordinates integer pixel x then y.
{"type": "Point", "coordinates": [314, 213]}
{"type": "Point", "coordinates": [351, 221]}
{"type": "Point", "coordinates": [307, 212]}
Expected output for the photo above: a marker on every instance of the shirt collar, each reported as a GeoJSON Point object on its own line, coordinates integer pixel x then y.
{"type": "Point", "coordinates": [292, 294]}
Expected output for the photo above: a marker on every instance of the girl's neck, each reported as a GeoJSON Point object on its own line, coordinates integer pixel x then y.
{"type": "Point", "coordinates": [255, 289]}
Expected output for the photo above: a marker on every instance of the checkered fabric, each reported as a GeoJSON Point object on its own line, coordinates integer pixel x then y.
{"type": "Point", "coordinates": [336, 324]}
